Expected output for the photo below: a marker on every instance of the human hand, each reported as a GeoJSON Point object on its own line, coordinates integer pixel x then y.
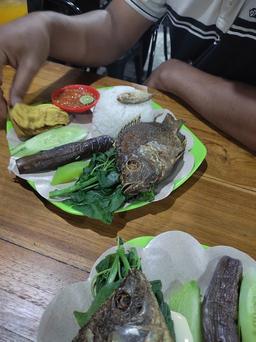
{"type": "Point", "coordinates": [24, 45]}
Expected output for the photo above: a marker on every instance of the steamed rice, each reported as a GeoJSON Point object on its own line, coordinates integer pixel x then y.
{"type": "Point", "coordinates": [110, 116]}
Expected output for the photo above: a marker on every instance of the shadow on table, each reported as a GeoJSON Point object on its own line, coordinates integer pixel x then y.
{"type": "Point", "coordinates": [168, 202]}
{"type": "Point", "coordinates": [121, 219]}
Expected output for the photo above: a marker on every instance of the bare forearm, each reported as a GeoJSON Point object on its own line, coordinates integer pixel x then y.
{"type": "Point", "coordinates": [82, 39]}
{"type": "Point", "coordinates": [230, 106]}
{"type": "Point", "coordinates": [94, 38]}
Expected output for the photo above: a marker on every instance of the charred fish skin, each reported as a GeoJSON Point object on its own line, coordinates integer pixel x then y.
{"type": "Point", "coordinates": [134, 97]}
{"type": "Point", "coordinates": [220, 304]}
{"type": "Point", "coordinates": [51, 159]}
{"type": "Point", "coordinates": [130, 314]}
{"type": "Point", "coordinates": [147, 152]}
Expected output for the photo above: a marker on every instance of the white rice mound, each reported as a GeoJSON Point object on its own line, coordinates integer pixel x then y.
{"type": "Point", "coordinates": [110, 116]}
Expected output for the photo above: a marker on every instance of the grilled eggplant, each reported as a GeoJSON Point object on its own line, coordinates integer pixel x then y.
{"type": "Point", "coordinates": [51, 159]}
{"type": "Point", "coordinates": [220, 304]}
{"type": "Point", "coordinates": [131, 314]}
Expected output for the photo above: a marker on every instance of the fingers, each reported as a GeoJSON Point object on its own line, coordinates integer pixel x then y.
{"type": "Point", "coordinates": [26, 71]}
{"type": "Point", "coordinates": [3, 104]}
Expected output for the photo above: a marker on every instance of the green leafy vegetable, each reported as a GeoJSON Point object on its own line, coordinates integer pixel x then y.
{"type": "Point", "coordinates": [147, 196]}
{"type": "Point", "coordinates": [52, 138]}
{"type": "Point", "coordinates": [83, 318]}
{"type": "Point", "coordinates": [115, 267]}
{"type": "Point", "coordinates": [186, 301]}
{"type": "Point", "coordinates": [247, 307]}
{"type": "Point", "coordinates": [156, 286]}
{"type": "Point", "coordinates": [96, 203]}
{"type": "Point", "coordinates": [98, 192]}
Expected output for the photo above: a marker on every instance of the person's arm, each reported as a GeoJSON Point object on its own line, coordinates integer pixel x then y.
{"type": "Point", "coordinates": [98, 37]}
{"type": "Point", "coordinates": [93, 39]}
{"type": "Point", "coordinates": [230, 106]}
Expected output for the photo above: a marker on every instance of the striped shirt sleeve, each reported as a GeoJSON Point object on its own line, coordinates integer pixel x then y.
{"type": "Point", "coordinates": [150, 9]}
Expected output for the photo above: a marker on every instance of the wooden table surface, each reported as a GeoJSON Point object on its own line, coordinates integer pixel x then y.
{"type": "Point", "coordinates": [43, 249]}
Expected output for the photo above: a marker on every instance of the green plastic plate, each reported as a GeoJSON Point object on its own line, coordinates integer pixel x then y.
{"type": "Point", "coordinates": [198, 150]}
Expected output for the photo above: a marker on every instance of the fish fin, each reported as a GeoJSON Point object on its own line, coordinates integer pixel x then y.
{"type": "Point", "coordinates": [182, 138]}
{"type": "Point", "coordinates": [176, 124]}
{"type": "Point", "coordinates": [157, 113]}
{"type": "Point", "coordinates": [129, 124]}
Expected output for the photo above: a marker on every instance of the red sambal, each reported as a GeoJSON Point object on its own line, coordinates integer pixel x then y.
{"type": "Point", "coordinates": [71, 97]}
{"type": "Point", "coordinates": [75, 98]}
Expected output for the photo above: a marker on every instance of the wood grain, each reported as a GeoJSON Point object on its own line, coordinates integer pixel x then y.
{"type": "Point", "coordinates": [28, 281]}
{"type": "Point", "coordinates": [9, 336]}
{"type": "Point", "coordinates": [42, 248]}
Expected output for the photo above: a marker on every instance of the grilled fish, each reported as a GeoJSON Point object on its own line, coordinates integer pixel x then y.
{"type": "Point", "coordinates": [134, 97]}
{"type": "Point", "coordinates": [50, 159]}
{"type": "Point", "coordinates": [147, 152]}
{"type": "Point", "coordinates": [131, 314]}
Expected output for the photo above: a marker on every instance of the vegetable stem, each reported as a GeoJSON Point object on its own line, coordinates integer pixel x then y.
{"type": "Point", "coordinates": [73, 188]}
{"type": "Point", "coordinates": [114, 270]}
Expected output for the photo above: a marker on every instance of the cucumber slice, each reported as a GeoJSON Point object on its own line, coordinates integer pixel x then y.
{"type": "Point", "coordinates": [54, 137]}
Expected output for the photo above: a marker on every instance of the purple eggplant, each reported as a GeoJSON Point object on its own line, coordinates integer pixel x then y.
{"type": "Point", "coordinates": [51, 159]}
{"type": "Point", "coordinates": [220, 304]}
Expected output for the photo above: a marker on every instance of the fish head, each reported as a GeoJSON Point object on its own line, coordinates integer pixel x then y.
{"type": "Point", "coordinates": [138, 174]}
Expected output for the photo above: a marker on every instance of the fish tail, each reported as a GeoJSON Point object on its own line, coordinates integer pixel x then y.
{"type": "Point", "coordinates": [175, 124]}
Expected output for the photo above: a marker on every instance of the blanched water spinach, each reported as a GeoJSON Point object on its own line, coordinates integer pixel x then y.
{"type": "Point", "coordinates": [247, 307]}
{"type": "Point", "coordinates": [156, 286]}
{"type": "Point", "coordinates": [186, 301]}
{"type": "Point", "coordinates": [52, 138]}
{"type": "Point", "coordinates": [98, 192]}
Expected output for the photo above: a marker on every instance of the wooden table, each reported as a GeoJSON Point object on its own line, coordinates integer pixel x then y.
{"type": "Point", "coordinates": [42, 248]}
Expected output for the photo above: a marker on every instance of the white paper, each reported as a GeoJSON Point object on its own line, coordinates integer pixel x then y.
{"type": "Point", "coordinates": [174, 257]}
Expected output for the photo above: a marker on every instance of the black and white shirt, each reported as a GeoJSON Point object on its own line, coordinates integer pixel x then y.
{"type": "Point", "coordinates": [217, 36]}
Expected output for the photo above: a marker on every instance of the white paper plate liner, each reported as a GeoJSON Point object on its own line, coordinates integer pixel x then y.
{"type": "Point", "coordinates": [58, 323]}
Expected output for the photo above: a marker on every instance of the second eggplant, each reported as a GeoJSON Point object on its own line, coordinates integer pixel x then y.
{"type": "Point", "coordinates": [220, 304]}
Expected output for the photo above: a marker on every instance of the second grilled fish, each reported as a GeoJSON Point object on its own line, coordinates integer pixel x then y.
{"type": "Point", "coordinates": [131, 314]}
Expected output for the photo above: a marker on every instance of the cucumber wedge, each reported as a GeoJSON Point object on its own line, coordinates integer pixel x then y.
{"type": "Point", "coordinates": [247, 307]}
{"type": "Point", "coordinates": [186, 301]}
{"type": "Point", "coordinates": [69, 172]}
